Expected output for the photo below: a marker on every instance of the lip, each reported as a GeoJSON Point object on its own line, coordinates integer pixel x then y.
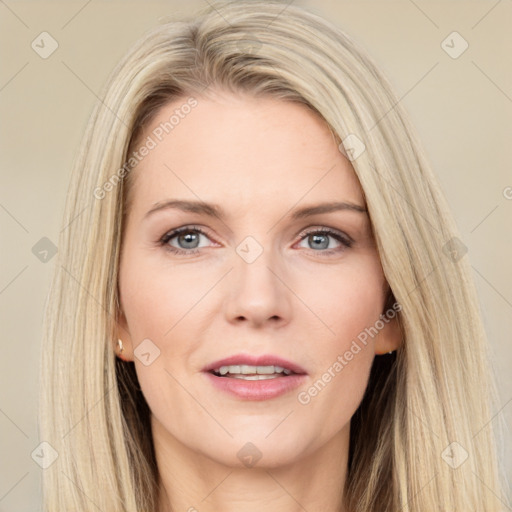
{"type": "Point", "coordinates": [262, 360]}
{"type": "Point", "coordinates": [256, 389]}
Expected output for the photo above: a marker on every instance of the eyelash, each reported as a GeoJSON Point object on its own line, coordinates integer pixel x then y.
{"type": "Point", "coordinates": [164, 241]}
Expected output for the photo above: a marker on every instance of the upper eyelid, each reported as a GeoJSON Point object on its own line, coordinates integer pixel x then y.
{"type": "Point", "coordinates": [184, 229]}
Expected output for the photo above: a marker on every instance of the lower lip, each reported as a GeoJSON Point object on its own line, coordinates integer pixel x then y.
{"type": "Point", "coordinates": [256, 389]}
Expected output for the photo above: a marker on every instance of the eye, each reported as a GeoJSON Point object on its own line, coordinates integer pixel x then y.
{"type": "Point", "coordinates": [319, 240]}
{"type": "Point", "coordinates": [187, 239]}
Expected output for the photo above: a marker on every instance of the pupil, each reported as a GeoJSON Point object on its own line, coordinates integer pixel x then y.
{"type": "Point", "coordinates": [316, 239]}
{"type": "Point", "coordinates": [189, 238]}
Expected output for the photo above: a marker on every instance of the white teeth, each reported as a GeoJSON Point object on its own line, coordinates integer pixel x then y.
{"type": "Point", "coordinates": [252, 370]}
{"type": "Point", "coordinates": [254, 377]}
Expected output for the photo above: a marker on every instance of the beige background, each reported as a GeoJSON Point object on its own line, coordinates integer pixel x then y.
{"type": "Point", "coordinates": [462, 109]}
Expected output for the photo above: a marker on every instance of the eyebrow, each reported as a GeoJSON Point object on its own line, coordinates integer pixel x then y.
{"type": "Point", "coordinates": [214, 210]}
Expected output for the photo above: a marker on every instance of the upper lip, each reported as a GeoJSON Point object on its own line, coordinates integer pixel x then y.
{"type": "Point", "coordinates": [250, 360]}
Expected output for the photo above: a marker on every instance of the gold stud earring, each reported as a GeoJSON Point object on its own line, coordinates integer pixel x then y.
{"type": "Point", "coordinates": [120, 346]}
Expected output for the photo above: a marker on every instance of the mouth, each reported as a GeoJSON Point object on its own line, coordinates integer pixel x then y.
{"type": "Point", "coordinates": [249, 372]}
{"type": "Point", "coordinates": [249, 377]}
{"type": "Point", "coordinates": [249, 367]}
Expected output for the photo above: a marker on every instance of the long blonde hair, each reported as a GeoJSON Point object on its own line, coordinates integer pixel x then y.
{"type": "Point", "coordinates": [437, 389]}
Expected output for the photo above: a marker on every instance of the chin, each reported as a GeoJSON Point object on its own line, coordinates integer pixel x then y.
{"type": "Point", "coordinates": [248, 451]}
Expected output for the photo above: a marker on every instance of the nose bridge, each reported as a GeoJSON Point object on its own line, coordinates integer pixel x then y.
{"type": "Point", "coordinates": [257, 293]}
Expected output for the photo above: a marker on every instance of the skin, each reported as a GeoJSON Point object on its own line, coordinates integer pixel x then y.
{"type": "Point", "coordinates": [259, 159]}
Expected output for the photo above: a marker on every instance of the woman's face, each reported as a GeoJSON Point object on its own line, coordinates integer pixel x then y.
{"type": "Point", "coordinates": [260, 278]}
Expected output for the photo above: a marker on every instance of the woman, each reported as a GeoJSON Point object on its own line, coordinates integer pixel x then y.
{"type": "Point", "coordinates": [259, 302]}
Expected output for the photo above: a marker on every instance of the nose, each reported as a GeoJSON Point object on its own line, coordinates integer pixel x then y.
{"type": "Point", "coordinates": [258, 292]}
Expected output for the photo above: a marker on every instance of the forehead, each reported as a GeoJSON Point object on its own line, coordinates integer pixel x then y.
{"type": "Point", "coordinates": [242, 149]}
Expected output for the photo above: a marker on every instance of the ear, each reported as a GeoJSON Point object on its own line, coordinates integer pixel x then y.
{"type": "Point", "coordinates": [389, 338]}
{"type": "Point", "coordinates": [122, 333]}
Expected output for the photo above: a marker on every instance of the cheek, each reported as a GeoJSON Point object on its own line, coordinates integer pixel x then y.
{"type": "Point", "coordinates": [347, 299]}
{"type": "Point", "coordinates": [163, 303]}
{"type": "Point", "coordinates": [349, 302]}
{"type": "Point", "coordinates": [156, 297]}
{"type": "Point", "coordinates": [158, 302]}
